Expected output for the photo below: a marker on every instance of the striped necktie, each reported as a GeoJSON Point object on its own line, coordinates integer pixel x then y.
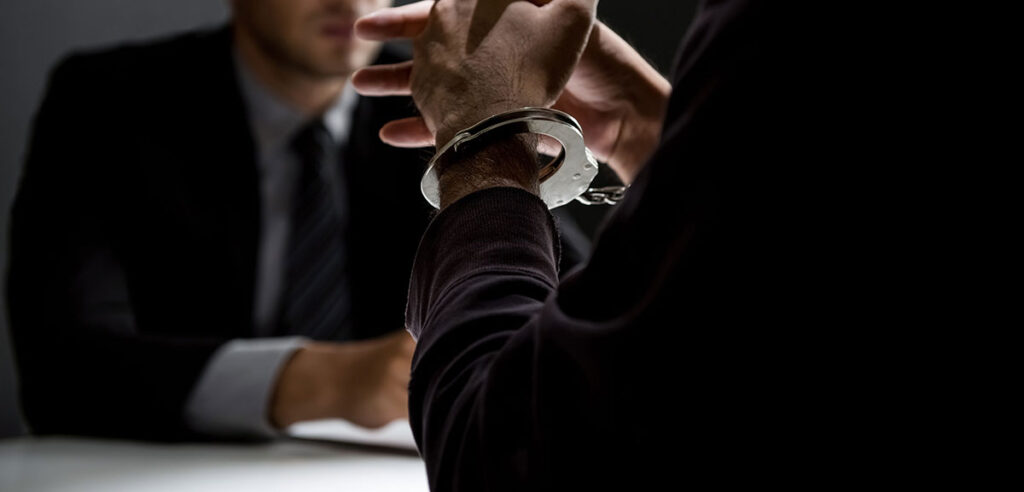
{"type": "Point", "coordinates": [317, 303]}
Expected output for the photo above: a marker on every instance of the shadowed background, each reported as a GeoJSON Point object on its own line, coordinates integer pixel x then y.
{"type": "Point", "coordinates": [34, 34]}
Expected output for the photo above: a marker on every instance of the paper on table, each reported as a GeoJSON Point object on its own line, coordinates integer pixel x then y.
{"type": "Point", "coordinates": [397, 434]}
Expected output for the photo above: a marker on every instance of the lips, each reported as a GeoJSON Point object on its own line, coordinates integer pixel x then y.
{"type": "Point", "coordinates": [338, 29]}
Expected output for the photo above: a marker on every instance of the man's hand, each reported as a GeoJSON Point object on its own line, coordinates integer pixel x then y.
{"type": "Point", "coordinates": [619, 100]}
{"type": "Point", "coordinates": [478, 58]}
{"type": "Point", "coordinates": [616, 96]}
{"type": "Point", "coordinates": [364, 382]}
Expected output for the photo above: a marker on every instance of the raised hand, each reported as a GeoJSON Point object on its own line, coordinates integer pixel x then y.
{"type": "Point", "coordinates": [617, 97]}
{"type": "Point", "coordinates": [475, 59]}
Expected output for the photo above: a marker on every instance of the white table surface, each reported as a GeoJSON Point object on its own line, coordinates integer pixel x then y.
{"type": "Point", "coordinates": [82, 464]}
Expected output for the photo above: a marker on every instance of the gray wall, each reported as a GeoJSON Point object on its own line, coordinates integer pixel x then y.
{"type": "Point", "coordinates": [35, 33]}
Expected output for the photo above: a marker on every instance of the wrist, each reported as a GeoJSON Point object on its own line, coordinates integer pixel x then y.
{"type": "Point", "coordinates": [639, 135]}
{"type": "Point", "coordinates": [304, 390]}
{"type": "Point", "coordinates": [453, 123]}
{"type": "Point", "coordinates": [460, 115]}
{"type": "Point", "coordinates": [508, 161]}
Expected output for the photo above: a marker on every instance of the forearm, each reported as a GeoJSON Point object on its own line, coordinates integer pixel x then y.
{"type": "Point", "coordinates": [107, 384]}
{"type": "Point", "coordinates": [497, 230]}
{"type": "Point", "coordinates": [466, 305]}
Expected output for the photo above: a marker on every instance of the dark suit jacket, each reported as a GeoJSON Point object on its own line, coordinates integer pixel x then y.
{"type": "Point", "coordinates": [720, 333]}
{"type": "Point", "coordinates": [135, 229]}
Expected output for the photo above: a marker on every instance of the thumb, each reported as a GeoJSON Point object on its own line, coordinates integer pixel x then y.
{"type": "Point", "coordinates": [407, 133]}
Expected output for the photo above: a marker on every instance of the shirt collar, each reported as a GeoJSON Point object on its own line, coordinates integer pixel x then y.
{"type": "Point", "coordinates": [275, 122]}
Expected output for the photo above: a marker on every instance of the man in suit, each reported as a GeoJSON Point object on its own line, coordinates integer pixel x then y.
{"type": "Point", "coordinates": [155, 259]}
{"type": "Point", "coordinates": [721, 330]}
{"type": "Point", "coordinates": [209, 238]}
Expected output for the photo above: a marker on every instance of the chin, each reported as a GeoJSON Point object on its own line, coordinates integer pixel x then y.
{"type": "Point", "coordinates": [332, 66]}
{"type": "Point", "coordinates": [341, 60]}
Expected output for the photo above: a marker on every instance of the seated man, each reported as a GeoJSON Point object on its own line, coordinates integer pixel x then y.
{"type": "Point", "coordinates": [706, 337]}
{"type": "Point", "coordinates": [209, 238]}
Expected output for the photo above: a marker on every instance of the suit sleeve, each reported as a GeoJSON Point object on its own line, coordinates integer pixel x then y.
{"type": "Point", "coordinates": [85, 368]}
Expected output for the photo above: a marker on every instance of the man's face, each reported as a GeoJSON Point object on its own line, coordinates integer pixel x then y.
{"type": "Point", "coordinates": [312, 36]}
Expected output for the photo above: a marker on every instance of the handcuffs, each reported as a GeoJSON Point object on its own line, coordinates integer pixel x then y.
{"type": "Point", "coordinates": [566, 178]}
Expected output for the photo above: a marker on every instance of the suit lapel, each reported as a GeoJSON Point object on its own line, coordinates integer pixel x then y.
{"type": "Point", "coordinates": [221, 175]}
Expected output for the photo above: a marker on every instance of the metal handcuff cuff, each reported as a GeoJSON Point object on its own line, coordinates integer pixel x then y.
{"type": "Point", "coordinates": [565, 178]}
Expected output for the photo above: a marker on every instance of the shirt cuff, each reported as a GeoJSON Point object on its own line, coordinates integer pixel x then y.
{"type": "Point", "coordinates": [233, 394]}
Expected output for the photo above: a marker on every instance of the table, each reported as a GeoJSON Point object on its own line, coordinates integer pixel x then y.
{"type": "Point", "coordinates": [81, 464]}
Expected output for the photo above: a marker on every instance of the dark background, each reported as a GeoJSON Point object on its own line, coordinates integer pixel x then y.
{"type": "Point", "coordinates": [34, 34]}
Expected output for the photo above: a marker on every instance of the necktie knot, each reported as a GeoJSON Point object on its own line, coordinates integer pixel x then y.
{"type": "Point", "coordinates": [311, 144]}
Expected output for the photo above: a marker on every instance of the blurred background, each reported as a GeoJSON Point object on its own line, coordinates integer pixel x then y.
{"type": "Point", "coordinates": [34, 34]}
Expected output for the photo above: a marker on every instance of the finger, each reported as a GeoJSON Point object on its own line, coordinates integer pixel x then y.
{"type": "Point", "coordinates": [400, 375]}
{"type": "Point", "coordinates": [569, 18]}
{"type": "Point", "coordinates": [409, 348]}
{"type": "Point", "coordinates": [396, 336]}
{"type": "Point", "coordinates": [402, 395]}
{"type": "Point", "coordinates": [406, 21]}
{"type": "Point", "coordinates": [399, 337]}
{"type": "Point", "coordinates": [586, 5]}
{"type": "Point", "coordinates": [401, 380]}
{"type": "Point", "coordinates": [403, 347]}
{"type": "Point", "coordinates": [400, 400]}
{"type": "Point", "coordinates": [407, 133]}
{"type": "Point", "coordinates": [405, 344]}
{"type": "Point", "coordinates": [383, 80]}
{"type": "Point", "coordinates": [548, 146]}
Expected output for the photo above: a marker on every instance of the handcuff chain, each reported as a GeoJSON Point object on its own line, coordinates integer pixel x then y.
{"type": "Point", "coordinates": [606, 195]}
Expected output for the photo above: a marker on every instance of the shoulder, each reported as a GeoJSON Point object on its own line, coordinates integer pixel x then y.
{"type": "Point", "coordinates": [160, 60]}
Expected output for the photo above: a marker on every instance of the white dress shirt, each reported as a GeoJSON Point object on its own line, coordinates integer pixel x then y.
{"type": "Point", "coordinates": [233, 394]}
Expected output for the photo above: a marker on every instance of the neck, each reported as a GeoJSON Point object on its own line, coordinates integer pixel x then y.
{"type": "Point", "coordinates": [307, 92]}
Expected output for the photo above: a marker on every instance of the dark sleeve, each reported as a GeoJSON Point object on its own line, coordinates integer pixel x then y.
{"type": "Point", "coordinates": [523, 383]}
{"type": "Point", "coordinates": [480, 302]}
{"type": "Point", "coordinates": [574, 244]}
{"type": "Point", "coordinates": [85, 367]}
